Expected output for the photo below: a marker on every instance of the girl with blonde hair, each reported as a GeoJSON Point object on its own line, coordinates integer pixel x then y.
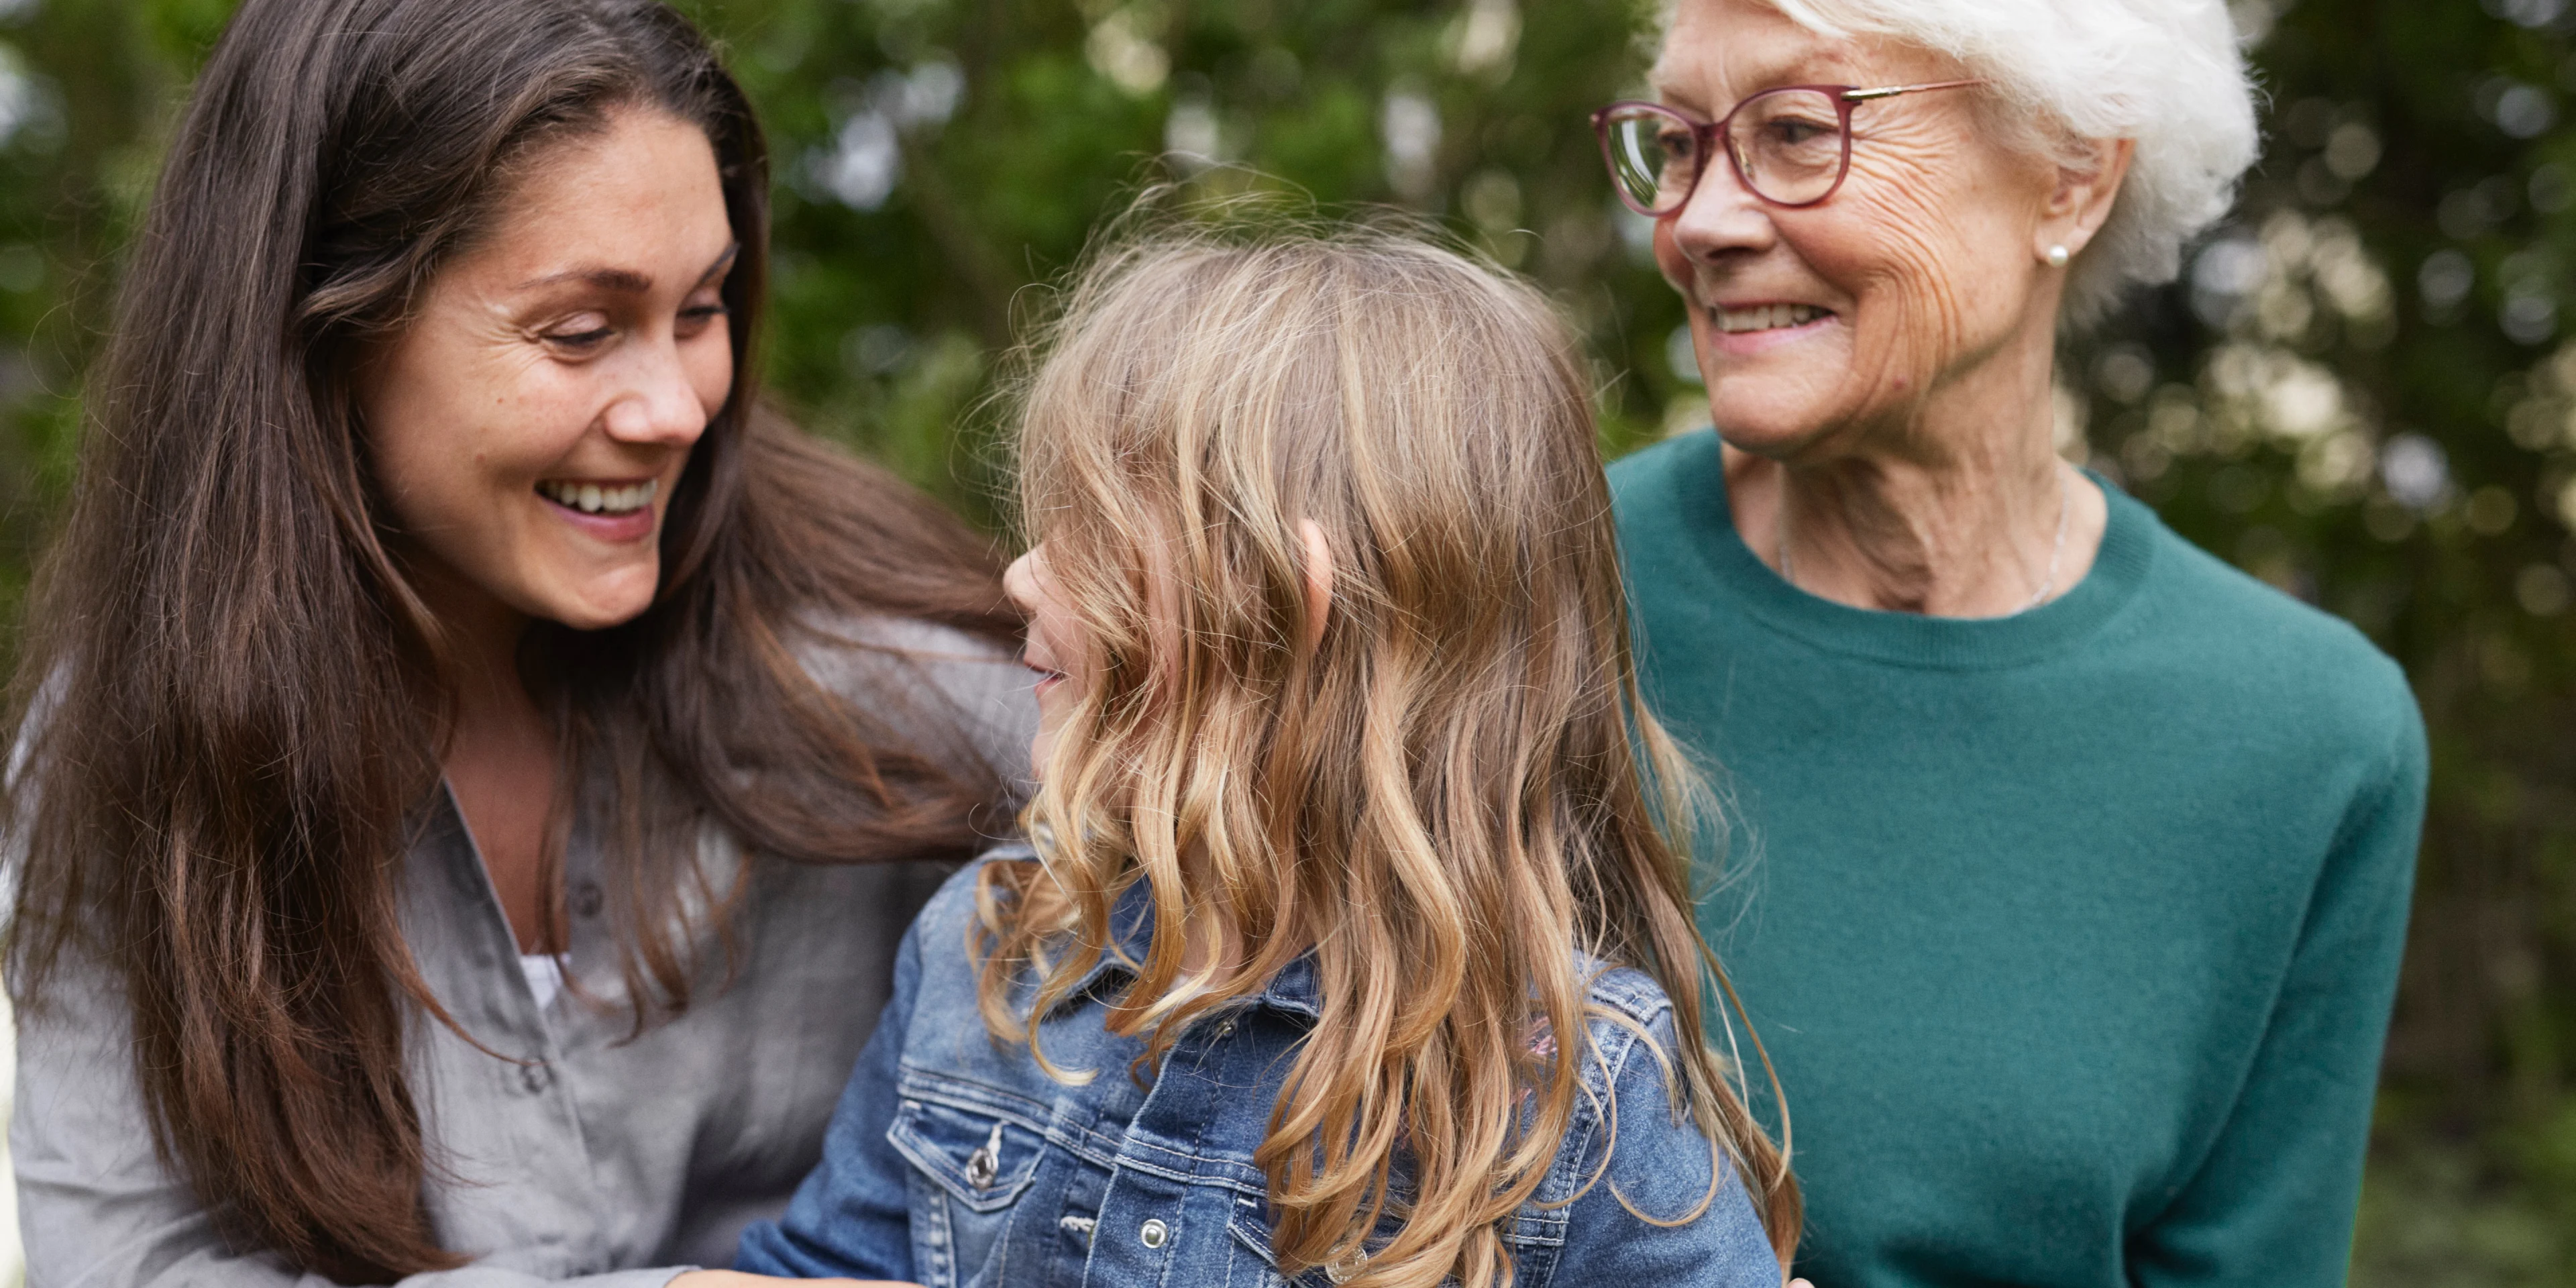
{"type": "Point", "coordinates": [1355, 944]}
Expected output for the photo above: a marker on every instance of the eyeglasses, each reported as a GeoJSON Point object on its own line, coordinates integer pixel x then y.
{"type": "Point", "coordinates": [1791, 145]}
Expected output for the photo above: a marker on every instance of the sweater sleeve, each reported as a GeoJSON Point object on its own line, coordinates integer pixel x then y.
{"type": "Point", "coordinates": [851, 1218]}
{"type": "Point", "coordinates": [2272, 1204]}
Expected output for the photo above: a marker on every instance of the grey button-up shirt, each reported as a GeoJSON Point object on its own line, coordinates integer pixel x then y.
{"type": "Point", "coordinates": [588, 1155]}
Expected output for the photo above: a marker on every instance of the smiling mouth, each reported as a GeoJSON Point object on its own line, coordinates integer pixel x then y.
{"type": "Point", "coordinates": [591, 498]}
{"type": "Point", "coordinates": [1766, 317]}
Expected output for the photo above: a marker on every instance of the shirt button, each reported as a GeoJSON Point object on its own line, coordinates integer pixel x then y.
{"type": "Point", "coordinates": [536, 1076]}
{"type": "Point", "coordinates": [588, 899]}
{"type": "Point", "coordinates": [1154, 1234]}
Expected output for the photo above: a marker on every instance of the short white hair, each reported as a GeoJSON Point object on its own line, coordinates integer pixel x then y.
{"type": "Point", "coordinates": [2165, 73]}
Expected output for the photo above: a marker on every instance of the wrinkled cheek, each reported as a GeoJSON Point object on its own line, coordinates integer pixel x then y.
{"type": "Point", "coordinates": [1904, 266]}
{"type": "Point", "coordinates": [1906, 346]}
{"type": "Point", "coordinates": [1914, 324]}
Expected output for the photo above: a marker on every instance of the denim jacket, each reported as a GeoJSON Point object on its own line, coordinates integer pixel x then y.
{"type": "Point", "coordinates": [953, 1160]}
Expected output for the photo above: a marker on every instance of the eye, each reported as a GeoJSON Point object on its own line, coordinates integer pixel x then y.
{"type": "Point", "coordinates": [1796, 132]}
{"type": "Point", "coordinates": [581, 331]}
{"type": "Point", "coordinates": [1678, 142]}
{"type": "Point", "coordinates": [697, 317]}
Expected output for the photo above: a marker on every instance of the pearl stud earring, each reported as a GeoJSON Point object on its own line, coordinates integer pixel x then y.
{"type": "Point", "coordinates": [2057, 256]}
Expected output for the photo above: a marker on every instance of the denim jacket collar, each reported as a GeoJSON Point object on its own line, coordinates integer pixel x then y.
{"type": "Point", "coordinates": [1296, 988]}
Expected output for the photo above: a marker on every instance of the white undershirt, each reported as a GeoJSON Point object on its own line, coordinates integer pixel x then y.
{"type": "Point", "coordinates": [545, 976]}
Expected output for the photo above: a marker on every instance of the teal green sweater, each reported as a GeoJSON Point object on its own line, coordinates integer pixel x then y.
{"type": "Point", "coordinates": [2073, 934]}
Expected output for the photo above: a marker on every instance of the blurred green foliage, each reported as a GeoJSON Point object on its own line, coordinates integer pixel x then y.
{"type": "Point", "coordinates": [2359, 392]}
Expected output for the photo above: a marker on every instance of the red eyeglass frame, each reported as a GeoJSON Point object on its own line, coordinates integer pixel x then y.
{"type": "Point", "coordinates": [1708, 135]}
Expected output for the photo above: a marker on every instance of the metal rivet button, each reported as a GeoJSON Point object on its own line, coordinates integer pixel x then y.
{"type": "Point", "coordinates": [1226, 1029]}
{"type": "Point", "coordinates": [1154, 1234]}
{"type": "Point", "coordinates": [986, 1162]}
{"type": "Point", "coordinates": [535, 1076]}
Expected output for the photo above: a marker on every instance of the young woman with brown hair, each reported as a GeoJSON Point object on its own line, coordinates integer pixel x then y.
{"type": "Point", "coordinates": [472, 766]}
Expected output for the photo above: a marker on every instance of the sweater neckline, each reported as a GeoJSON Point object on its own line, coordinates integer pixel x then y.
{"type": "Point", "coordinates": [1909, 639]}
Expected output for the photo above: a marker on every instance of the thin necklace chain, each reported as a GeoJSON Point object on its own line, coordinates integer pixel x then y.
{"type": "Point", "coordinates": [2056, 549]}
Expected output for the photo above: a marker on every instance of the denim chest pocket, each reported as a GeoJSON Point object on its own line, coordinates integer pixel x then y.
{"type": "Point", "coordinates": [983, 1161]}
{"type": "Point", "coordinates": [970, 1168]}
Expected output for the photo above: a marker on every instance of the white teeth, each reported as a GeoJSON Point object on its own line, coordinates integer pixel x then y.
{"type": "Point", "coordinates": [591, 498]}
{"type": "Point", "coordinates": [1766, 317]}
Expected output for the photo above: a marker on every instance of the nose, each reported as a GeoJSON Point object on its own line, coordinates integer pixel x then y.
{"type": "Point", "coordinates": [1721, 217]}
{"type": "Point", "coordinates": [1020, 581]}
{"type": "Point", "coordinates": [656, 404]}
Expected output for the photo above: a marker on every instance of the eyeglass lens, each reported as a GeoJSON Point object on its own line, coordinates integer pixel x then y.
{"type": "Point", "coordinates": [1787, 144]}
{"type": "Point", "coordinates": [1654, 157]}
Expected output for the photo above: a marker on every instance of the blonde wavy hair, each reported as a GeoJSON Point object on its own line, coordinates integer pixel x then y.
{"type": "Point", "coordinates": [1443, 796]}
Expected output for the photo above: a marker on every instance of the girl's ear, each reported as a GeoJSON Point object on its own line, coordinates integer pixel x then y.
{"type": "Point", "coordinates": [1319, 581]}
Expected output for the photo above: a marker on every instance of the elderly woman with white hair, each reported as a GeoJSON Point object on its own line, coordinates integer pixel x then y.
{"type": "Point", "coordinates": [2080, 861]}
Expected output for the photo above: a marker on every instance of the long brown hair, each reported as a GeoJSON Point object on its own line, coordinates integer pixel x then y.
{"type": "Point", "coordinates": [1444, 797]}
{"type": "Point", "coordinates": [229, 706]}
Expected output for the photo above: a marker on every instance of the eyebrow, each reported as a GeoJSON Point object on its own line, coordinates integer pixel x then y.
{"type": "Point", "coordinates": [626, 281]}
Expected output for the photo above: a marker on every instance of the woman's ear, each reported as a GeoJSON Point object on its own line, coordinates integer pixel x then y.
{"type": "Point", "coordinates": [1319, 581]}
{"type": "Point", "coordinates": [2082, 199]}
